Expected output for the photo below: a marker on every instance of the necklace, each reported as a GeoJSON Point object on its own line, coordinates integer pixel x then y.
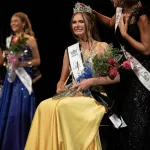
{"type": "Point", "coordinates": [88, 45]}
{"type": "Point", "coordinates": [88, 50]}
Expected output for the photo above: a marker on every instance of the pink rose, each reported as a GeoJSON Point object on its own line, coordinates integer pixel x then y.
{"type": "Point", "coordinates": [11, 59]}
{"type": "Point", "coordinates": [112, 62]}
{"type": "Point", "coordinates": [113, 72]}
{"type": "Point", "coordinates": [126, 65]}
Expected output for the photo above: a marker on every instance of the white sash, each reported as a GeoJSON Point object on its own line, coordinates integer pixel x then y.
{"type": "Point", "coordinates": [8, 40]}
{"type": "Point", "coordinates": [21, 72]}
{"type": "Point", "coordinates": [142, 73]}
{"type": "Point", "coordinates": [118, 15]}
{"type": "Point", "coordinates": [75, 59]}
{"type": "Point", "coordinates": [25, 78]}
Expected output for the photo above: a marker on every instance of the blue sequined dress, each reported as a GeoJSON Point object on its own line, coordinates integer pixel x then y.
{"type": "Point", "coordinates": [17, 108]}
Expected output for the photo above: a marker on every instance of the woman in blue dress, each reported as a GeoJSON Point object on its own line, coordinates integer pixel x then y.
{"type": "Point", "coordinates": [17, 104]}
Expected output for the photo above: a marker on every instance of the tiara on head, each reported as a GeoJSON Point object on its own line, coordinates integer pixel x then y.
{"type": "Point", "coordinates": [79, 8]}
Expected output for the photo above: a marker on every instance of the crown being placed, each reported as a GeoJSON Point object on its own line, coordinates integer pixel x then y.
{"type": "Point", "coordinates": [80, 8]}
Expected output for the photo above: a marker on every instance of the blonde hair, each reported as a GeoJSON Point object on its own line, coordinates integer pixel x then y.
{"type": "Point", "coordinates": [25, 19]}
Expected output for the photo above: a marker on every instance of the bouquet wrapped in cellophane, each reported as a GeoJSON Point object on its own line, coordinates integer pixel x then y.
{"type": "Point", "coordinates": [14, 52]}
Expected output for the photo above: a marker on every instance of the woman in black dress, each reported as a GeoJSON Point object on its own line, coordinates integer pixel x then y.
{"type": "Point", "coordinates": [134, 34]}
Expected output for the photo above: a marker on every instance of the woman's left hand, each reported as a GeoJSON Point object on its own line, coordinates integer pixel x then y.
{"type": "Point", "coordinates": [16, 64]}
{"type": "Point", "coordinates": [83, 85]}
{"type": "Point", "coordinates": [123, 25]}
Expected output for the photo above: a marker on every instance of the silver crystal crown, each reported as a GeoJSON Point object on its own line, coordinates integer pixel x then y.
{"type": "Point", "coordinates": [79, 8]}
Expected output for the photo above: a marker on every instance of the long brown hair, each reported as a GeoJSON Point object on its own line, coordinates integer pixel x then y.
{"type": "Point", "coordinates": [129, 3]}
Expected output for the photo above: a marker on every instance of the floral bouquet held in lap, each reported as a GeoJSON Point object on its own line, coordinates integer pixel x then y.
{"type": "Point", "coordinates": [106, 65]}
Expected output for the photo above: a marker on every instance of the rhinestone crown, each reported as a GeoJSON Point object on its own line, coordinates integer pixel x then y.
{"type": "Point", "coordinates": [79, 8]}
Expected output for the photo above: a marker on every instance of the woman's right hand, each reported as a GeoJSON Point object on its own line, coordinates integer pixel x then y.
{"type": "Point", "coordinates": [82, 4]}
{"type": "Point", "coordinates": [60, 87]}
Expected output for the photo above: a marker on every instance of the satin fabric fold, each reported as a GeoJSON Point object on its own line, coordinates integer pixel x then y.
{"type": "Point", "coordinates": [70, 123]}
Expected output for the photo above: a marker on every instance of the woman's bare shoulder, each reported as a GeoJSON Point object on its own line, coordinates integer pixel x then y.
{"type": "Point", "coordinates": [102, 44]}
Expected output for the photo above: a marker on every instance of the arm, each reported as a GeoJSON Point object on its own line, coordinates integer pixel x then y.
{"type": "Point", "coordinates": [64, 73]}
{"type": "Point", "coordinates": [86, 83]}
{"type": "Point", "coordinates": [104, 80]}
{"type": "Point", "coordinates": [144, 27]}
{"type": "Point", "coordinates": [110, 22]}
{"type": "Point", "coordinates": [1, 57]}
{"type": "Point", "coordinates": [35, 60]}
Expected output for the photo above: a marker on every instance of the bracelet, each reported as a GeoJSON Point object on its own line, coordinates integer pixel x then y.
{"type": "Point", "coordinates": [29, 64]}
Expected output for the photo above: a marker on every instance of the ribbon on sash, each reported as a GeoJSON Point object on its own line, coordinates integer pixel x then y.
{"type": "Point", "coordinates": [20, 72]}
{"type": "Point", "coordinates": [140, 71]}
{"type": "Point", "coordinates": [75, 59]}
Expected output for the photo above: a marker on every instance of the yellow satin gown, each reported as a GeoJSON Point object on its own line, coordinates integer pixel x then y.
{"type": "Point", "coordinates": [68, 123]}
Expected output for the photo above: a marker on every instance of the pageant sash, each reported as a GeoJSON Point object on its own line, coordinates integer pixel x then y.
{"type": "Point", "coordinates": [118, 15]}
{"type": "Point", "coordinates": [8, 40]}
{"type": "Point", "coordinates": [20, 72]}
{"type": "Point", "coordinates": [140, 71]}
{"type": "Point", "coordinates": [75, 59]}
{"type": "Point", "coordinates": [25, 78]}
{"type": "Point", "coordinates": [76, 69]}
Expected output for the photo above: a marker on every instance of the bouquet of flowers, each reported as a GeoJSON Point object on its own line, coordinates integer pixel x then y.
{"type": "Point", "coordinates": [18, 43]}
{"type": "Point", "coordinates": [108, 64]}
{"type": "Point", "coordinates": [15, 51]}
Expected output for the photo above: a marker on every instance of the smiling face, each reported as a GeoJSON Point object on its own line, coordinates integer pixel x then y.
{"type": "Point", "coordinates": [16, 24]}
{"type": "Point", "coordinates": [79, 25]}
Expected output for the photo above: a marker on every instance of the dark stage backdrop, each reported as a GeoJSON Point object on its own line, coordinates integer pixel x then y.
{"type": "Point", "coordinates": [51, 24]}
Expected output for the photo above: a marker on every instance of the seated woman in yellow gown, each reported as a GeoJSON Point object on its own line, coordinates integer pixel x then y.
{"type": "Point", "coordinates": [71, 122]}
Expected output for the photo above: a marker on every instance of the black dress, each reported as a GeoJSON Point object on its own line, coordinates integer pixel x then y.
{"type": "Point", "coordinates": [135, 101]}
